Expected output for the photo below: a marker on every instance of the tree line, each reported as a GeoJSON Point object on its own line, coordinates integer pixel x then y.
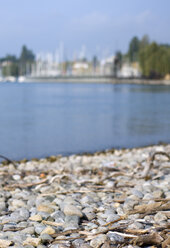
{"type": "Point", "coordinates": [13, 66]}
{"type": "Point", "coordinates": [153, 58]}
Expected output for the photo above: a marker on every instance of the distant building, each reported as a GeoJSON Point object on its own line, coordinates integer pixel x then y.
{"type": "Point", "coordinates": [80, 68]}
{"type": "Point", "coordinates": [107, 66]}
{"type": "Point", "coordinates": [129, 71]}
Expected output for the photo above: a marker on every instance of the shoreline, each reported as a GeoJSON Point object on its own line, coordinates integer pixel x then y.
{"type": "Point", "coordinates": [7, 159]}
{"type": "Point", "coordinates": [106, 199]}
{"type": "Point", "coordinates": [89, 79]}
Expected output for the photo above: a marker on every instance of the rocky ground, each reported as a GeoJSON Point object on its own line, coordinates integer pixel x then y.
{"type": "Point", "coordinates": [117, 198]}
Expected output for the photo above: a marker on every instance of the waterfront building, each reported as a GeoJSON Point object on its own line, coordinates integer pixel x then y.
{"type": "Point", "coordinates": [129, 71]}
{"type": "Point", "coordinates": [107, 66]}
{"type": "Point", "coordinates": [81, 68]}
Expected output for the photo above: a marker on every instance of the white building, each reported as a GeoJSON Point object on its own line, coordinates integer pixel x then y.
{"type": "Point", "coordinates": [128, 71]}
{"type": "Point", "coordinates": [107, 66]}
{"type": "Point", "coordinates": [80, 68]}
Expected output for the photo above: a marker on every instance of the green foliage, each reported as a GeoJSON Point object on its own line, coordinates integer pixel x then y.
{"type": "Point", "coordinates": [119, 58]}
{"type": "Point", "coordinates": [117, 62]}
{"type": "Point", "coordinates": [134, 47]}
{"type": "Point", "coordinates": [10, 66]}
{"type": "Point", "coordinates": [26, 55]}
{"type": "Point", "coordinates": [155, 60]}
{"type": "Point", "coordinates": [25, 60]}
{"type": "Point", "coordinates": [10, 69]}
{"type": "Point", "coordinates": [13, 66]}
{"type": "Point", "coordinates": [144, 42]}
{"type": "Point", "coordinates": [9, 58]}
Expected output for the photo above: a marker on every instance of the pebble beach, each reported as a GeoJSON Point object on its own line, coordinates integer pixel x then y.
{"type": "Point", "coordinates": [115, 198]}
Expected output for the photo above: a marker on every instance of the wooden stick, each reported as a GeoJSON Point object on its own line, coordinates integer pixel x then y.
{"type": "Point", "coordinates": [114, 221]}
{"type": "Point", "coordinates": [150, 164]}
{"type": "Point", "coordinates": [27, 185]}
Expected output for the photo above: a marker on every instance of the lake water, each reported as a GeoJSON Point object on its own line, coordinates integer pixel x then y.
{"type": "Point", "coordinates": [38, 120]}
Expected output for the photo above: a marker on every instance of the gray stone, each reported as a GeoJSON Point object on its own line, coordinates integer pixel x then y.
{"type": "Point", "coordinates": [31, 203]}
{"type": "Point", "coordinates": [9, 226]}
{"type": "Point", "coordinates": [78, 243]}
{"type": "Point", "coordinates": [2, 206]}
{"type": "Point", "coordinates": [148, 196]}
{"type": "Point", "coordinates": [87, 200]}
{"type": "Point", "coordinates": [39, 228]}
{"type": "Point", "coordinates": [71, 222]}
{"type": "Point", "coordinates": [15, 217]}
{"type": "Point", "coordinates": [101, 222]}
{"type": "Point", "coordinates": [17, 237]}
{"type": "Point", "coordinates": [44, 215]}
{"type": "Point", "coordinates": [110, 211]}
{"type": "Point", "coordinates": [89, 213]}
{"type": "Point", "coordinates": [136, 225]}
{"type": "Point", "coordinates": [137, 193]}
{"type": "Point", "coordinates": [91, 226]}
{"type": "Point", "coordinates": [72, 210]}
{"type": "Point", "coordinates": [24, 213]}
{"type": "Point", "coordinates": [15, 204]}
{"type": "Point", "coordinates": [98, 241]}
{"type": "Point", "coordinates": [160, 217]}
{"type": "Point", "coordinates": [129, 205]}
{"type": "Point", "coordinates": [55, 246]}
{"type": "Point", "coordinates": [120, 211]}
{"type": "Point", "coordinates": [157, 194]}
{"type": "Point", "coordinates": [115, 238]}
{"type": "Point", "coordinates": [112, 217]}
{"type": "Point", "coordinates": [22, 224]}
{"type": "Point", "coordinates": [90, 216]}
{"type": "Point", "coordinates": [29, 230]}
{"type": "Point", "coordinates": [45, 238]}
{"type": "Point", "coordinates": [58, 216]}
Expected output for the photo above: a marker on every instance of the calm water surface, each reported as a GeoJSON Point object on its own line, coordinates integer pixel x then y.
{"type": "Point", "coordinates": [38, 120]}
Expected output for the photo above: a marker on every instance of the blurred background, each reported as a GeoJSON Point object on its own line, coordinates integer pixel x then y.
{"type": "Point", "coordinates": [80, 76]}
{"type": "Point", "coordinates": [116, 38]}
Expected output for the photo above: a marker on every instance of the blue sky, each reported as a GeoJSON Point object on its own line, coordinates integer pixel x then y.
{"type": "Point", "coordinates": [102, 26]}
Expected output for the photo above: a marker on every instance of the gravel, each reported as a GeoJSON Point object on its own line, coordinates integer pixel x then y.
{"type": "Point", "coordinates": [93, 200]}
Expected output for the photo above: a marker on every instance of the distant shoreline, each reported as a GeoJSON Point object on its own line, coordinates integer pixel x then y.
{"type": "Point", "coordinates": [78, 79]}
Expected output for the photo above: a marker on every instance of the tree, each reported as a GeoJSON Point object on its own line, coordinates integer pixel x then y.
{"type": "Point", "coordinates": [10, 65]}
{"type": "Point", "coordinates": [117, 63]}
{"type": "Point", "coordinates": [155, 60]}
{"type": "Point", "coordinates": [25, 60]}
{"type": "Point", "coordinates": [26, 55]}
{"type": "Point", "coordinates": [134, 47]}
{"type": "Point", "coordinates": [10, 69]}
{"type": "Point", "coordinates": [144, 42]}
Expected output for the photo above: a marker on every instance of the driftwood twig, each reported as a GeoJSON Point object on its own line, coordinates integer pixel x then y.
{"type": "Point", "coordinates": [150, 164]}
{"type": "Point", "coordinates": [27, 185]}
